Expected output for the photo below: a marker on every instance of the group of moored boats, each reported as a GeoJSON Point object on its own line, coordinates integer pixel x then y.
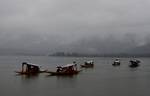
{"type": "Point", "coordinates": [68, 69]}
{"type": "Point", "coordinates": [133, 63]}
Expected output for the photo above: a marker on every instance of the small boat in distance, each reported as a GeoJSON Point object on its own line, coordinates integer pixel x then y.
{"type": "Point", "coordinates": [116, 62]}
{"type": "Point", "coordinates": [88, 64]}
{"type": "Point", "coordinates": [68, 69]}
{"type": "Point", "coordinates": [30, 69]}
{"type": "Point", "coordinates": [134, 63]}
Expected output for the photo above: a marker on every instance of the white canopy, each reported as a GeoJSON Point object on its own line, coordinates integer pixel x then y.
{"type": "Point", "coordinates": [68, 65]}
{"type": "Point", "coordinates": [89, 61]}
{"type": "Point", "coordinates": [33, 64]}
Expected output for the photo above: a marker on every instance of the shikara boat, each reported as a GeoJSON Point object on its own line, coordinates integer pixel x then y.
{"type": "Point", "coordinates": [116, 62]}
{"type": "Point", "coordinates": [88, 64]}
{"type": "Point", "coordinates": [30, 69]}
{"type": "Point", "coordinates": [69, 69]}
{"type": "Point", "coordinates": [134, 63]}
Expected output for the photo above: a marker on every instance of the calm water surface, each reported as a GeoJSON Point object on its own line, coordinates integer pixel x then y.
{"type": "Point", "coordinates": [102, 80]}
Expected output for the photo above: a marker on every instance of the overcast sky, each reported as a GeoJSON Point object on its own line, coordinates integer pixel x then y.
{"type": "Point", "coordinates": [49, 23]}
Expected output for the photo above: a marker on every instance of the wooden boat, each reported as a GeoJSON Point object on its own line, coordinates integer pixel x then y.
{"type": "Point", "coordinates": [30, 73]}
{"type": "Point", "coordinates": [69, 69]}
{"type": "Point", "coordinates": [30, 69]}
{"type": "Point", "coordinates": [134, 63]}
{"type": "Point", "coordinates": [116, 62]}
{"type": "Point", "coordinates": [88, 64]}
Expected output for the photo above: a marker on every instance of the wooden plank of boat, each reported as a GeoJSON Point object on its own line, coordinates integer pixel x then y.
{"type": "Point", "coordinates": [28, 73]}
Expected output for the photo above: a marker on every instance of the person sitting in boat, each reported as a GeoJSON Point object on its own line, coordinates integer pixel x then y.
{"type": "Point", "coordinates": [74, 62]}
{"type": "Point", "coordinates": [59, 68]}
{"type": "Point", "coordinates": [69, 69]}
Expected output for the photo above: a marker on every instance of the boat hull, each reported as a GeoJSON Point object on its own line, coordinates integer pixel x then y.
{"type": "Point", "coordinates": [30, 73]}
{"type": "Point", "coordinates": [134, 65]}
{"type": "Point", "coordinates": [87, 66]}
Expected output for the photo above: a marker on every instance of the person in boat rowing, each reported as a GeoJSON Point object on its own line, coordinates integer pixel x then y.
{"type": "Point", "coordinates": [75, 64]}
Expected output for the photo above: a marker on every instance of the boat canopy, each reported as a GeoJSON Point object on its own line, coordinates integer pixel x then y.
{"type": "Point", "coordinates": [117, 61]}
{"type": "Point", "coordinates": [68, 65]}
{"type": "Point", "coordinates": [25, 63]}
{"type": "Point", "coordinates": [89, 61]}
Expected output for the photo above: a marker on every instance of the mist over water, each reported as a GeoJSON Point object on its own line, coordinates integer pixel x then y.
{"type": "Point", "coordinates": [41, 27]}
{"type": "Point", "coordinates": [31, 30]}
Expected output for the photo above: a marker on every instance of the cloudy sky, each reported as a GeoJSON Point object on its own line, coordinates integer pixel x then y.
{"type": "Point", "coordinates": [47, 24]}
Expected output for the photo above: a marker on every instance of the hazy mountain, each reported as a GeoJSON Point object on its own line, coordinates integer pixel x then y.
{"type": "Point", "coordinates": [10, 51]}
{"type": "Point", "coordinates": [109, 45]}
{"type": "Point", "coordinates": [29, 27]}
{"type": "Point", "coordinates": [128, 45]}
{"type": "Point", "coordinates": [145, 49]}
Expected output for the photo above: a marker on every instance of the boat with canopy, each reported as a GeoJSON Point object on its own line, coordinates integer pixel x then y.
{"type": "Point", "coordinates": [30, 69]}
{"type": "Point", "coordinates": [88, 64]}
{"type": "Point", "coordinates": [68, 69]}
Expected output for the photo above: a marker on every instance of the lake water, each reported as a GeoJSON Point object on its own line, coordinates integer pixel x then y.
{"type": "Point", "coordinates": [102, 80]}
